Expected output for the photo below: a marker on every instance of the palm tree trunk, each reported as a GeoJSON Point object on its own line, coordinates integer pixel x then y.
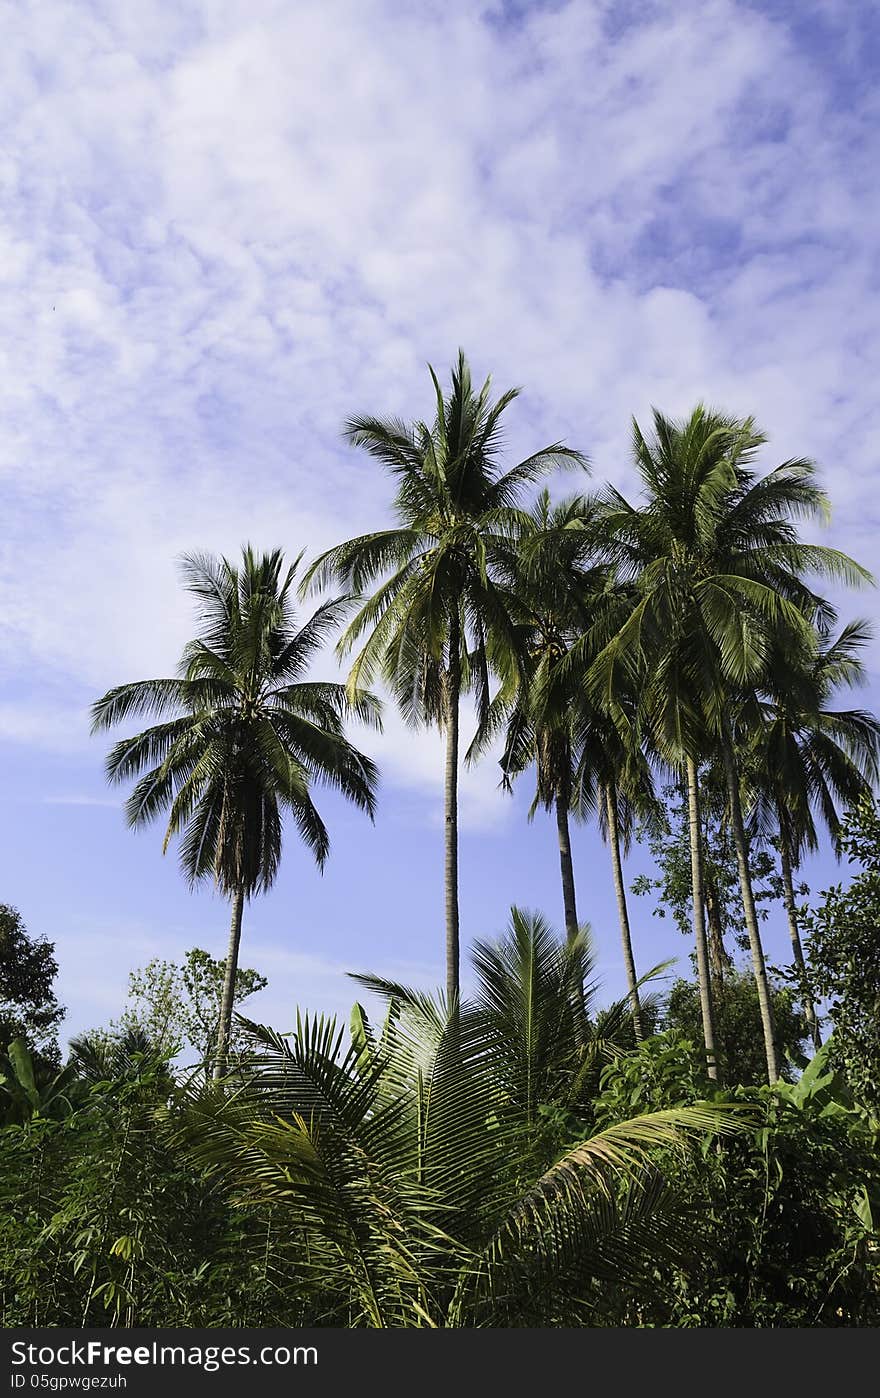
{"type": "Point", "coordinates": [453, 696]}
{"type": "Point", "coordinates": [794, 932]}
{"type": "Point", "coordinates": [572, 928]}
{"type": "Point", "coordinates": [699, 916]}
{"type": "Point", "coordinates": [566, 867]}
{"type": "Point", "coordinates": [228, 998]}
{"type": "Point", "coordinates": [719, 960]}
{"type": "Point", "coordinates": [741, 846]}
{"type": "Point", "coordinates": [623, 912]}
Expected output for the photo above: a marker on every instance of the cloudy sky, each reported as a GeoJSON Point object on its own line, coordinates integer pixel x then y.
{"type": "Point", "coordinates": [227, 224]}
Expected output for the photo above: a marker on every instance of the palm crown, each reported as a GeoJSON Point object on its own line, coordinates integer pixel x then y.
{"type": "Point", "coordinates": [717, 564]}
{"type": "Point", "coordinates": [808, 756]}
{"type": "Point", "coordinates": [456, 508]}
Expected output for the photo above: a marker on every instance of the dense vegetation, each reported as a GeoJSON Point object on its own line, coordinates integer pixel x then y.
{"type": "Point", "coordinates": [525, 1157]}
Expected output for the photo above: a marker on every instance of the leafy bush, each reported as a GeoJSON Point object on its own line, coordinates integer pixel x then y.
{"type": "Point", "coordinates": [844, 956]}
{"type": "Point", "coordinates": [738, 1026]}
{"type": "Point", "coordinates": [785, 1218]}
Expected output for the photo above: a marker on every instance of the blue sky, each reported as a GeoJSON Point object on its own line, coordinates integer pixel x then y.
{"type": "Point", "coordinates": [226, 226]}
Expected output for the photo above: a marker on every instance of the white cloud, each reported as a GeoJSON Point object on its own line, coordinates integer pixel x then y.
{"type": "Point", "coordinates": [413, 760]}
{"type": "Point", "coordinates": [228, 227]}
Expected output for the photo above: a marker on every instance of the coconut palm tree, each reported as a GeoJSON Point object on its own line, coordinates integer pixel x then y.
{"type": "Point", "coordinates": [242, 738]}
{"type": "Point", "coordinates": [553, 588]}
{"type": "Point", "coordinates": [561, 592]}
{"type": "Point", "coordinates": [806, 758]}
{"type": "Point", "coordinates": [717, 564]}
{"type": "Point", "coordinates": [429, 624]}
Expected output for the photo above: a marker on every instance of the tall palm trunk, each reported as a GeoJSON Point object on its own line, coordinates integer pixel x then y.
{"type": "Point", "coordinates": [228, 998]}
{"type": "Point", "coordinates": [699, 916]}
{"type": "Point", "coordinates": [794, 932]}
{"type": "Point", "coordinates": [453, 699]}
{"type": "Point", "coordinates": [719, 961]}
{"type": "Point", "coordinates": [572, 927]}
{"type": "Point", "coordinates": [623, 912]}
{"type": "Point", "coordinates": [566, 866]}
{"type": "Point", "coordinates": [741, 845]}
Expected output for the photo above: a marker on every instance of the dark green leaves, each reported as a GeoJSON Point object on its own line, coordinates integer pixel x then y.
{"type": "Point", "coordinates": [245, 735]}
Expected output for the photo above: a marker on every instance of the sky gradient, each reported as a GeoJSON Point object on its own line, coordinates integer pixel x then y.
{"type": "Point", "coordinates": [225, 226]}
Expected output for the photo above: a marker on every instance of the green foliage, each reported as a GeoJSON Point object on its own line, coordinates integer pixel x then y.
{"type": "Point", "coordinates": [243, 734]}
{"type": "Point", "coordinates": [488, 1168]}
{"type": "Point", "coordinates": [102, 1223]}
{"type": "Point", "coordinates": [552, 591]}
{"type": "Point", "coordinates": [784, 1219]}
{"type": "Point", "coordinates": [717, 569]}
{"type": "Point", "coordinates": [441, 1172]}
{"type": "Point", "coordinates": [443, 598]}
{"type": "Point", "coordinates": [177, 1005]}
{"type": "Point", "coordinates": [844, 956]}
{"type": "Point", "coordinates": [28, 1008]}
{"type": "Point", "coordinates": [805, 756]}
{"type": "Point", "coordinates": [738, 1025]}
{"type": "Point", "coordinates": [666, 835]}
{"type": "Point", "coordinates": [414, 1173]}
{"type": "Point", "coordinates": [29, 1087]}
